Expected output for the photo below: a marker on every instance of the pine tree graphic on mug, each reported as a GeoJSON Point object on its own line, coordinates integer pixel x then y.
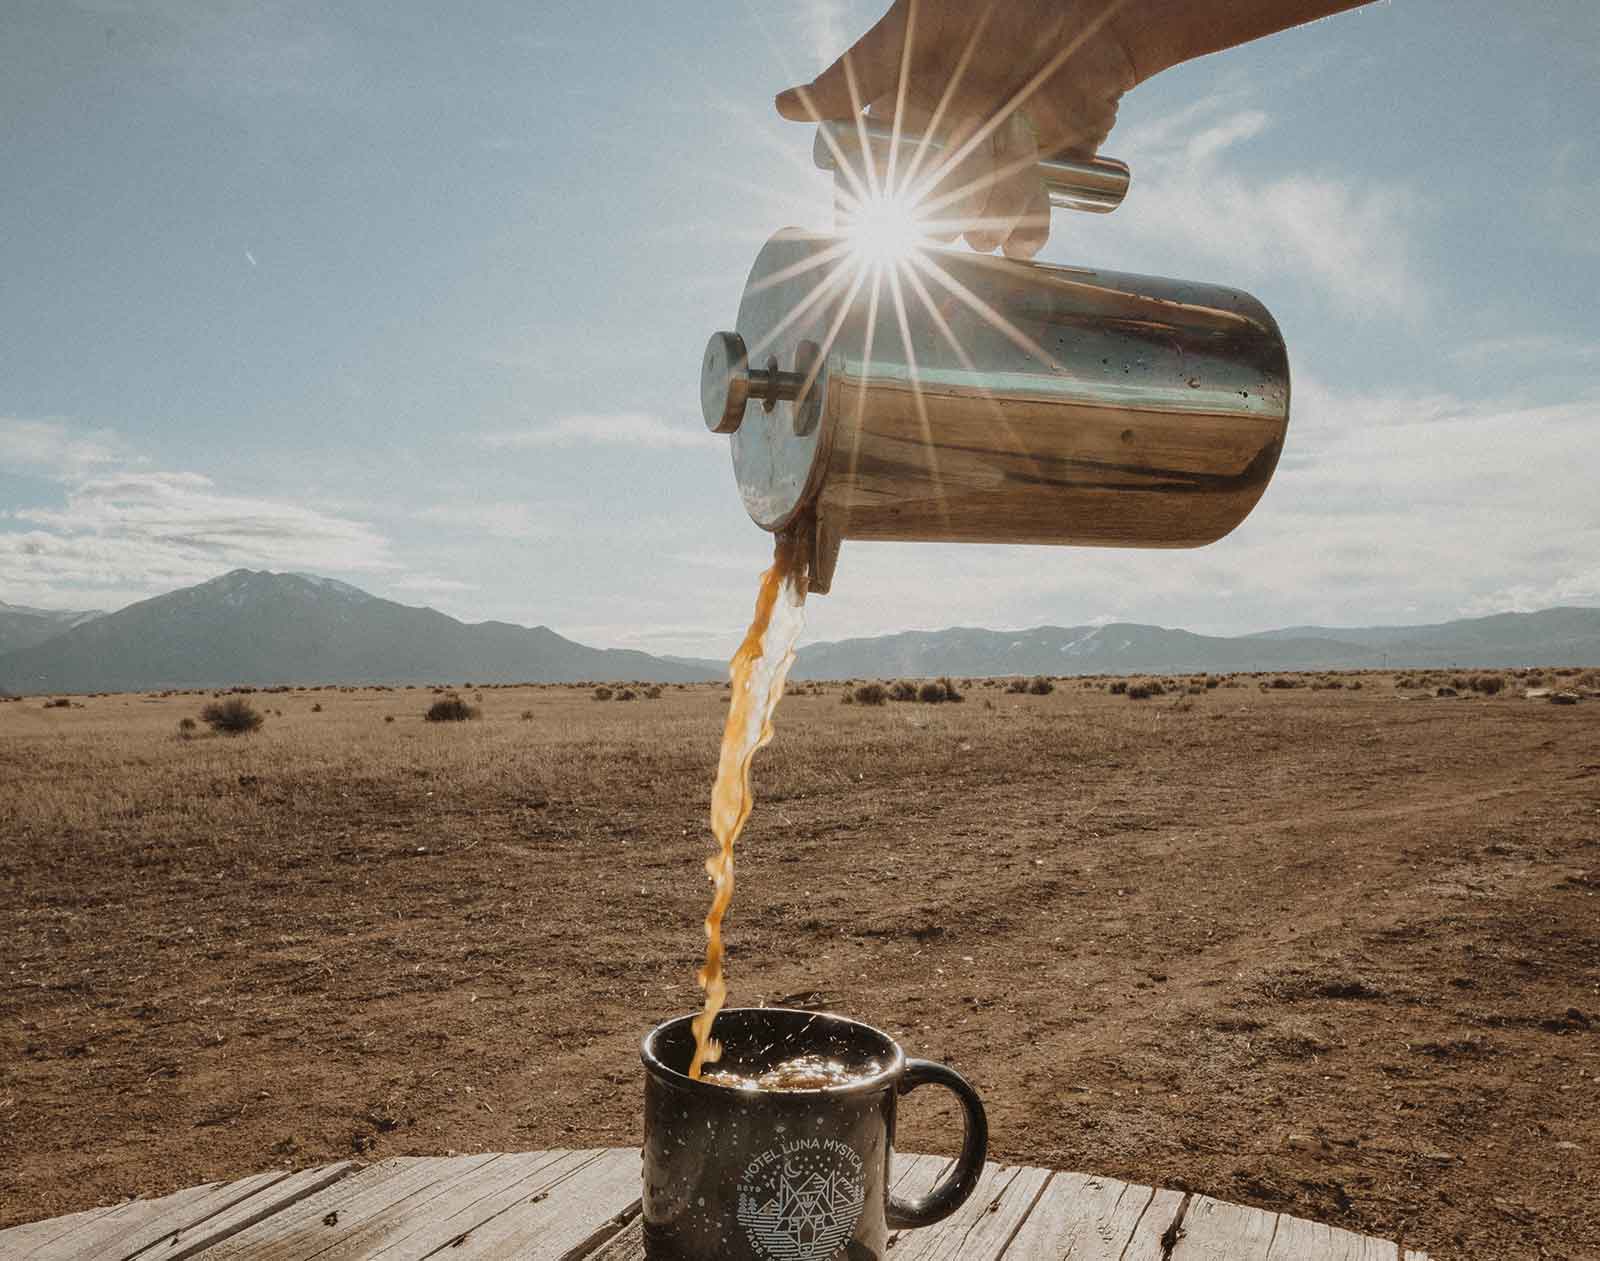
{"type": "Point", "coordinates": [801, 1202]}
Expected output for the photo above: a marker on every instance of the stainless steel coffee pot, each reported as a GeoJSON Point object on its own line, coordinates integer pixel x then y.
{"type": "Point", "coordinates": [961, 397]}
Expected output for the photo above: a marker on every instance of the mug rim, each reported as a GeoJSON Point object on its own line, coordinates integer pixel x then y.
{"type": "Point", "coordinates": [866, 1085]}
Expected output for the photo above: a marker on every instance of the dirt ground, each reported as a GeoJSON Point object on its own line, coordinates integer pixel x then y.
{"type": "Point", "coordinates": [1330, 952]}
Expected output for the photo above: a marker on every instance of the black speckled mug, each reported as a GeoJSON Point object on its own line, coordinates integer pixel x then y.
{"type": "Point", "coordinates": [803, 1175]}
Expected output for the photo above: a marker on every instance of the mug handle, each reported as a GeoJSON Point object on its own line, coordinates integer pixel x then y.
{"type": "Point", "coordinates": [952, 1193]}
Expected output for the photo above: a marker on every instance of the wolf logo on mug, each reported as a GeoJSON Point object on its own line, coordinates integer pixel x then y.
{"type": "Point", "coordinates": [801, 1200]}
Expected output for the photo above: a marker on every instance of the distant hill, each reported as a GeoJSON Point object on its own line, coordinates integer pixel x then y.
{"type": "Point", "coordinates": [22, 627]}
{"type": "Point", "coordinates": [266, 628]}
{"type": "Point", "coordinates": [1566, 636]}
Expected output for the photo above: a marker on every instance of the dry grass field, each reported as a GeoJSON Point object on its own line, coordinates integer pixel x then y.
{"type": "Point", "coordinates": [1334, 952]}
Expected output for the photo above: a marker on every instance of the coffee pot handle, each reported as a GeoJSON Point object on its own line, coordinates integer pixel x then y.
{"type": "Point", "coordinates": [952, 1193]}
{"type": "Point", "coordinates": [1096, 184]}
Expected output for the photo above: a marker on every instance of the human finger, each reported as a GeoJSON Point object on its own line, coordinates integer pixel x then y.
{"type": "Point", "coordinates": [962, 178]}
{"type": "Point", "coordinates": [1032, 228]}
{"type": "Point", "coordinates": [1015, 157]}
{"type": "Point", "coordinates": [868, 69]}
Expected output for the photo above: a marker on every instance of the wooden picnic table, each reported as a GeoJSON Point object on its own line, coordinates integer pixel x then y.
{"type": "Point", "coordinates": [584, 1206]}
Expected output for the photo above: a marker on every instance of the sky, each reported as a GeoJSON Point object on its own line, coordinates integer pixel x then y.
{"type": "Point", "coordinates": [414, 296]}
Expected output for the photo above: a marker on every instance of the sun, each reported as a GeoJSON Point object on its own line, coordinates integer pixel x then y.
{"type": "Point", "coordinates": [885, 228]}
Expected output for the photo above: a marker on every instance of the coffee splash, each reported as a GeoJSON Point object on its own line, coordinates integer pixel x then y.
{"type": "Point", "coordinates": [758, 671]}
{"type": "Point", "coordinates": [801, 1072]}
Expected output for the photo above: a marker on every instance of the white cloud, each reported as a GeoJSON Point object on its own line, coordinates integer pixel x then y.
{"type": "Point", "coordinates": [631, 429]}
{"type": "Point", "coordinates": [121, 531]}
{"type": "Point", "coordinates": [54, 448]}
{"type": "Point", "coordinates": [1350, 239]}
{"type": "Point", "coordinates": [502, 520]}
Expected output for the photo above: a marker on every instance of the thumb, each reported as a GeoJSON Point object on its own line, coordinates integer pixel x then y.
{"type": "Point", "coordinates": [869, 69]}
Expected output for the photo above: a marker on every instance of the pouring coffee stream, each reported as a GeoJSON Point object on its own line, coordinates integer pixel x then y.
{"type": "Point", "coordinates": [947, 396]}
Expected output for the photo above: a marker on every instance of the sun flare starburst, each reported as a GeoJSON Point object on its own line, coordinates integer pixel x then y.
{"type": "Point", "coordinates": [885, 228]}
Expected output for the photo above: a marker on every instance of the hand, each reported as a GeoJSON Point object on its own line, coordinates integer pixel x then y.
{"type": "Point", "coordinates": [1041, 77]}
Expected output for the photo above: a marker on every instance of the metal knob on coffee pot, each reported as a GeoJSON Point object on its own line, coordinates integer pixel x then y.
{"type": "Point", "coordinates": [961, 397]}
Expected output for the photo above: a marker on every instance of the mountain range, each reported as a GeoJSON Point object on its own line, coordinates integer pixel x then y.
{"type": "Point", "coordinates": [267, 628]}
{"type": "Point", "coordinates": [1566, 636]}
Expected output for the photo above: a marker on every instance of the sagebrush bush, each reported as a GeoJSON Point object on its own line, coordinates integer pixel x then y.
{"type": "Point", "coordinates": [1488, 684]}
{"type": "Point", "coordinates": [951, 692]}
{"type": "Point", "coordinates": [1119, 687]}
{"type": "Point", "coordinates": [871, 694]}
{"type": "Point", "coordinates": [60, 702]}
{"type": "Point", "coordinates": [1138, 691]}
{"type": "Point", "coordinates": [627, 694]}
{"type": "Point", "coordinates": [450, 709]}
{"type": "Point", "coordinates": [652, 693]}
{"type": "Point", "coordinates": [932, 693]}
{"type": "Point", "coordinates": [186, 728]}
{"type": "Point", "coordinates": [602, 693]}
{"type": "Point", "coordinates": [1040, 686]}
{"type": "Point", "coordinates": [1017, 685]}
{"type": "Point", "coordinates": [232, 717]}
{"type": "Point", "coordinates": [902, 690]}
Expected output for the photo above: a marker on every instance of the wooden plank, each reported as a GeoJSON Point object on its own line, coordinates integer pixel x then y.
{"type": "Point", "coordinates": [126, 1229]}
{"type": "Point", "coordinates": [982, 1227]}
{"type": "Point", "coordinates": [27, 1241]}
{"type": "Point", "coordinates": [1215, 1231]}
{"type": "Point", "coordinates": [1084, 1218]}
{"type": "Point", "coordinates": [581, 1209]}
{"type": "Point", "coordinates": [318, 1224]}
{"type": "Point", "coordinates": [140, 1222]}
{"type": "Point", "coordinates": [909, 1175]}
{"type": "Point", "coordinates": [1298, 1239]}
{"type": "Point", "coordinates": [232, 1215]}
{"type": "Point", "coordinates": [469, 1201]}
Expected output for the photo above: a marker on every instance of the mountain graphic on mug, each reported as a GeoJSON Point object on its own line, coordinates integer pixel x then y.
{"type": "Point", "coordinates": [803, 1206]}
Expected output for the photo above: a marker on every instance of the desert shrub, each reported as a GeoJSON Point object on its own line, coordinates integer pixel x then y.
{"type": "Point", "coordinates": [1017, 685]}
{"type": "Point", "coordinates": [450, 709]}
{"type": "Point", "coordinates": [1040, 686]}
{"type": "Point", "coordinates": [931, 693]}
{"type": "Point", "coordinates": [1589, 679]}
{"type": "Point", "coordinates": [388, 718]}
{"type": "Point", "coordinates": [653, 692]}
{"type": "Point", "coordinates": [847, 698]}
{"type": "Point", "coordinates": [1355, 685]}
{"type": "Point", "coordinates": [1197, 689]}
{"type": "Point", "coordinates": [60, 702]}
{"type": "Point", "coordinates": [1139, 691]}
{"type": "Point", "coordinates": [1211, 683]}
{"type": "Point", "coordinates": [232, 717]}
{"type": "Point", "coordinates": [317, 708]}
{"type": "Point", "coordinates": [186, 728]}
{"type": "Point", "coordinates": [1156, 687]}
{"type": "Point", "coordinates": [871, 694]}
{"type": "Point", "coordinates": [602, 693]}
{"type": "Point", "coordinates": [1119, 687]}
{"type": "Point", "coordinates": [951, 692]}
{"type": "Point", "coordinates": [627, 694]}
{"type": "Point", "coordinates": [1488, 684]}
{"type": "Point", "coordinates": [527, 715]}
{"type": "Point", "coordinates": [902, 690]}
